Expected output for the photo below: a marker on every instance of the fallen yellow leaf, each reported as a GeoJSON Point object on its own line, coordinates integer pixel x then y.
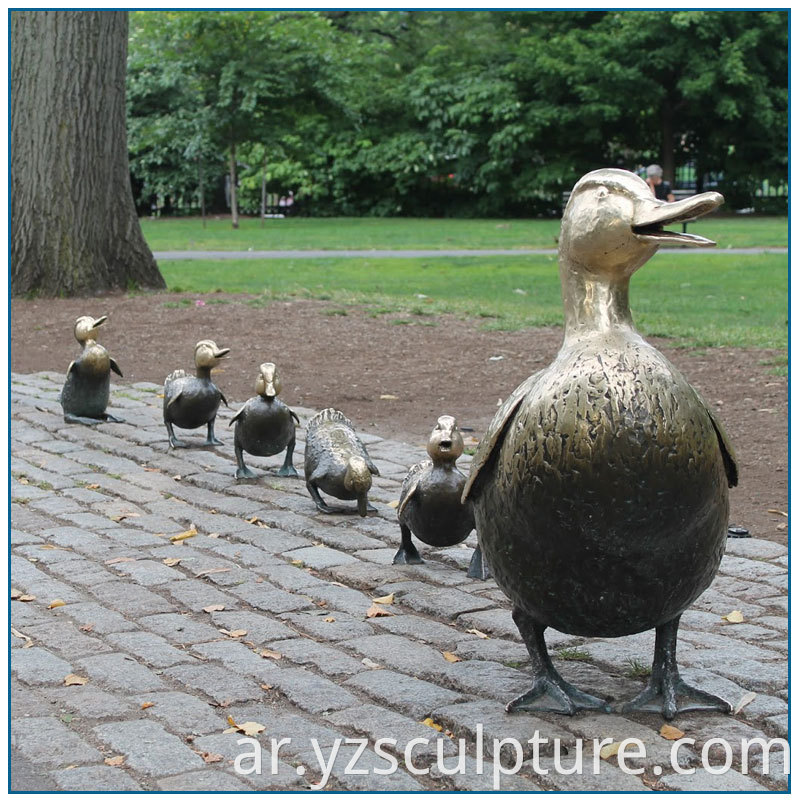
{"type": "Point", "coordinates": [393, 503]}
{"type": "Point", "coordinates": [747, 698]}
{"type": "Point", "coordinates": [75, 680]}
{"type": "Point", "coordinates": [670, 732]}
{"type": "Point", "coordinates": [92, 486]}
{"type": "Point", "coordinates": [479, 634]}
{"type": "Point", "coordinates": [266, 686]}
{"type": "Point", "coordinates": [16, 594]}
{"type": "Point", "coordinates": [386, 600]}
{"type": "Point", "coordinates": [212, 571]}
{"type": "Point", "coordinates": [368, 662]}
{"type": "Point", "coordinates": [115, 761]}
{"type": "Point", "coordinates": [120, 560]}
{"type": "Point", "coordinates": [237, 634]}
{"type": "Point", "coordinates": [147, 705]}
{"type": "Point", "coordinates": [210, 609]}
{"type": "Point", "coordinates": [247, 728]}
{"type": "Point", "coordinates": [267, 653]}
{"type": "Point", "coordinates": [88, 627]}
{"type": "Point", "coordinates": [171, 562]}
{"type": "Point", "coordinates": [777, 511]}
{"type": "Point", "coordinates": [179, 537]}
{"type": "Point", "coordinates": [57, 603]}
{"type": "Point", "coordinates": [296, 562]}
{"type": "Point", "coordinates": [734, 617]}
{"type": "Point", "coordinates": [451, 657]}
{"type": "Point", "coordinates": [377, 611]}
{"type": "Point", "coordinates": [209, 758]}
{"type": "Point", "coordinates": [389, 397]}
{"type": "Point", "coordinates": [609, 750]}
{"type": "Point", "coordinates": [431, 724]}
{"type": "Point", "coordinates": [28, 640]}
{"type": "Point", "coordinates": [330, 619]}
{"type": "Point", "coordinates": [26, 598]}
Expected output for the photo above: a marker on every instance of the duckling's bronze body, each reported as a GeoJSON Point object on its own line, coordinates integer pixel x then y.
{"type": "Point", "coordinates": [337, 462]}
{"type": "Point", "coordinates": [84, 396]}
{"type": "Point", "coordinates": [601, 488]}
{"type": "Point", "coordinates": [430, 500]}
{"type": "Point", "coordinates": [191, 401]}
{"type": "Point", "coordinates": [265, 425]}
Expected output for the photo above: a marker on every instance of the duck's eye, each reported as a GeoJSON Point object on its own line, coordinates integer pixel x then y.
{"type": "Point", "coordinates": [602, 193]}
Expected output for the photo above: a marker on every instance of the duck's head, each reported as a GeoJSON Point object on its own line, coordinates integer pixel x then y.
{"type": "Point", "coordinates": [446, 443]}
{"type": "Point", "coordinates": [268, 383]}
{"type": "Point", "coordinates": [357, 479]}
{"type": "Point", "coordinates": [207, 355]}
{"type": "Point", "coordinates": [613, 224]}
{"type": "Point", "coordinates": [86, 328]}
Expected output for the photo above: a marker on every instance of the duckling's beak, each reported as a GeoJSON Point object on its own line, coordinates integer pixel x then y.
{"type": "Point", "coordinates": [269, 390]}
{"type": "Point", "coordinates": [652, 215]}
{"type": "Point", "coordinates": [99, 321]}
{"type": "Point", "coordinates": [222, 352]}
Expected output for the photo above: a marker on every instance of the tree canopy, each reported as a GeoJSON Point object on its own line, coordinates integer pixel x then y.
{"type": "Point", "coordinates": [463, 112]}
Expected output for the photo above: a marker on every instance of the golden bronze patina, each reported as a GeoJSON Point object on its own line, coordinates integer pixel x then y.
{"type": "Point", "coordinates": [601, 487]}
{"type": "Point", "coordinates": [337, 462]}
{"type": "Point", "coordinates": [265, 425]}
{"type": "Point", "coordinates": [430, 499]}
{"type": "Point", "coordinates": [191, 401]}
{"type": "Point", "coordinates": [84, 396]}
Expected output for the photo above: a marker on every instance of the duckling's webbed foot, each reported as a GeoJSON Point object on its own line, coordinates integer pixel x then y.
{"type": "Point", "coordinates": [76, 420]}
{"type": "Point", "coordinates": [109, 418]}
{"type": "Point", "coordinates": [478, 566]}
{"type": "Point", "coordinates": [212, 440]}
{"type": "Point", "coordinates": [319, 502]}
{"type": "Point", "coordinates": [667, 692]}
{"type": "Point", "coordinates": [408, 553]}
{"type": "Point", "coordinates": [288, 470]}
{"type": "Point", "coordinates": [550, 692]}
{"type": "Point", "coordinates": [173, 440]}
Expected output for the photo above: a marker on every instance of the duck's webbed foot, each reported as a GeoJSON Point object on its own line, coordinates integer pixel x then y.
{"type": "Point", "coordinates": [110, 418]}
{"type": "Point", "coordinates": [212, 440]}
{"type": "Point", "coordinates": [288, 470]}
{"type": "Point", "coordinates": [667, 692]}
{"type": "Point", "coordinates": [550, 692]}
{"type": "Point", "coordinates": [245, 472]}
{"type": "Point", "coordinates": [76, 420]}
{"type": "Point", "coordinates": [319, 502]}
{"type": "Point", "coordinates": [478, 566]}
{"type": "Point", "coordinates": [173, 440]}
{"type": "Point", "coordinates": [408, 553]}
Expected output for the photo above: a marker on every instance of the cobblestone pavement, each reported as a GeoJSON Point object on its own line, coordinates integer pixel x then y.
{"type": "Point", "coordinates": [262, 617]}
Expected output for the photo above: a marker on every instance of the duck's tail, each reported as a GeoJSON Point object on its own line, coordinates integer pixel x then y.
{"type": "Point", "coordinates": [173, 376]}
{"type": "Point", "coordinates": [326, 415]}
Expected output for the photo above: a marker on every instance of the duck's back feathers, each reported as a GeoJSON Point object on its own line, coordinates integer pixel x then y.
{"type": "Point", "coordinates": [327, 415]}
{"type": "Point", "coordinates": [173, 376]}
{"type": "Point", "coordinates": [411, 482]}
{"type": "Point", "coordinates": [495, 434]}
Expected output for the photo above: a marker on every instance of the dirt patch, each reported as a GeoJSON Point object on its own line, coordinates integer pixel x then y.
{"type": "Point", "coordinates": [329, 355]}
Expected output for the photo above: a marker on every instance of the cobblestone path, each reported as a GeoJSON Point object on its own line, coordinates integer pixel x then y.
{"type": "Point", "coordinates": [261, 616]}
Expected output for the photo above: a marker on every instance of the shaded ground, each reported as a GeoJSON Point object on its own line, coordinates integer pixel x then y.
{"type": "Point", "coordinates": [331, 356]}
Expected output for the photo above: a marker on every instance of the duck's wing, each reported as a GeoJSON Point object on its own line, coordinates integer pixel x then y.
{"type": "Point", "coordinates": [113, 364]}
{"type": "Point", "coordinates": [174, 397]}
{"type": "Point", "coordinates": [726, 448]}
{"type": "Point", "coordinates": [411, 483]}
{"type": "Point", "coordinates": [71, 366]}
{"type": "Point", "coordinates": [296, 418]}
{"type": "Point", "coordinates": [370, 466]}
{"type": "Point", "coordinates": [222, 396]}
{"type": "Point", "coordinates": [496, 432]}
{"type": "Point", "coordinates": [237, 415]}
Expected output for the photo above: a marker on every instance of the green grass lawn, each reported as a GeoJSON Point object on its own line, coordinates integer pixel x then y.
{"type": "Point", "coordinates": [345, 233]}
{"type": "Point", "coordinates": [698, 300]}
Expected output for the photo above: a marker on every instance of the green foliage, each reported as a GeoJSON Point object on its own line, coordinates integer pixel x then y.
{"type": "Point", "coordinates": [457, 112]}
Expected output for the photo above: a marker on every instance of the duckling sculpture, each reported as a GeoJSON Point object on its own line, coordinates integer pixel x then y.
{"type": "Point", "coordinates": [265, 425]}
{"type": "Point", "coordinates": [84, 396]}
{"type": "Point", "coordinates": [430, 500]}
{"type": "Point", "coordinates": [337, 462]}
{"type": "Point", "coordinates": [191, 401]}
{"type": "Point", "coordinates": [601, 487]}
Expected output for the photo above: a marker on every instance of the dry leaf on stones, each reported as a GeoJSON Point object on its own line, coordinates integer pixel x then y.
{"type": "Point", "coordinates": [179, 537]}
{"type": "Point", "coordinates": [377, 611]}
{"type": "Point", "coordinates": [211, 609]}
{"type": "Point", "coordinates": [386, 600]}
{"type": "Point", "coordinates": [671, 732]}
{"type": "Point", "coordinates": [75, 680]}
{"type": "Point", "coordinates": [734, 617]}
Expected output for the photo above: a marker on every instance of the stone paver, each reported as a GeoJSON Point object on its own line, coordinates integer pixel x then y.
{"type": "Point", "coordinates": [261, 616]}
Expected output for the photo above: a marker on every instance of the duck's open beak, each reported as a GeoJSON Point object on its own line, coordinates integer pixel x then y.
{"type": "Point", "coordinates": [651, 217]}
{"type": "Point", "coordinates": [99, 321]}
{"type": "Point", "coordinates": [222, 352]}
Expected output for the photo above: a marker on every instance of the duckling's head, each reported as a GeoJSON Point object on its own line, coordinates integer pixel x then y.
{"type": "Point", "coordinates": [86, 328]}
{"type": "Point", "coordinates": [446, 443]}
{"type": "Point", "coordinates": [207, 355]}
{"type": "Point", "coordinates": [357, 479]}
{"type": "Point", "coordinates": [268, 383]}
{"type": "Point", "coordinates": [613, 224]}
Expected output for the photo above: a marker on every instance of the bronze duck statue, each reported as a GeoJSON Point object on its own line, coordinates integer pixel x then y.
{"type": "Point", "coordinates": [84, 396]}
{"type": "Point", "coordinates": [265, 425]}
{"type": "Point", "coordinates": [600, 490]}
{"type": "Point", "coordinates": [430, 500]}
{"type": "Point", "coordinates": [191, 401]}
{"type": "Point", "coordinates": [337, 462]}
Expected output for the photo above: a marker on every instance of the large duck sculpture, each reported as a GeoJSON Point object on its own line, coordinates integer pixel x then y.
{"type": "Point", "coordinates": [84, 396]}
{"type": "Point", "coordinates": [191, 401]}
{"type": "Point", "coordinates": [600, 490]}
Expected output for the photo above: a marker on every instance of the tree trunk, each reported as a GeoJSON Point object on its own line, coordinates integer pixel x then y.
{"type": "Point", "coordinates": [668, 141]}
{"type": "Point", "coordinates": [74, 229]}
{"type": "Point", "coordinates": [234, 202]}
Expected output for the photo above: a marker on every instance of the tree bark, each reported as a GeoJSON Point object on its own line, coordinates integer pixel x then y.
{"type": "Point", "coordinates": [74, 228]}
{"type": "Point", "coordinates": [234, 201]}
